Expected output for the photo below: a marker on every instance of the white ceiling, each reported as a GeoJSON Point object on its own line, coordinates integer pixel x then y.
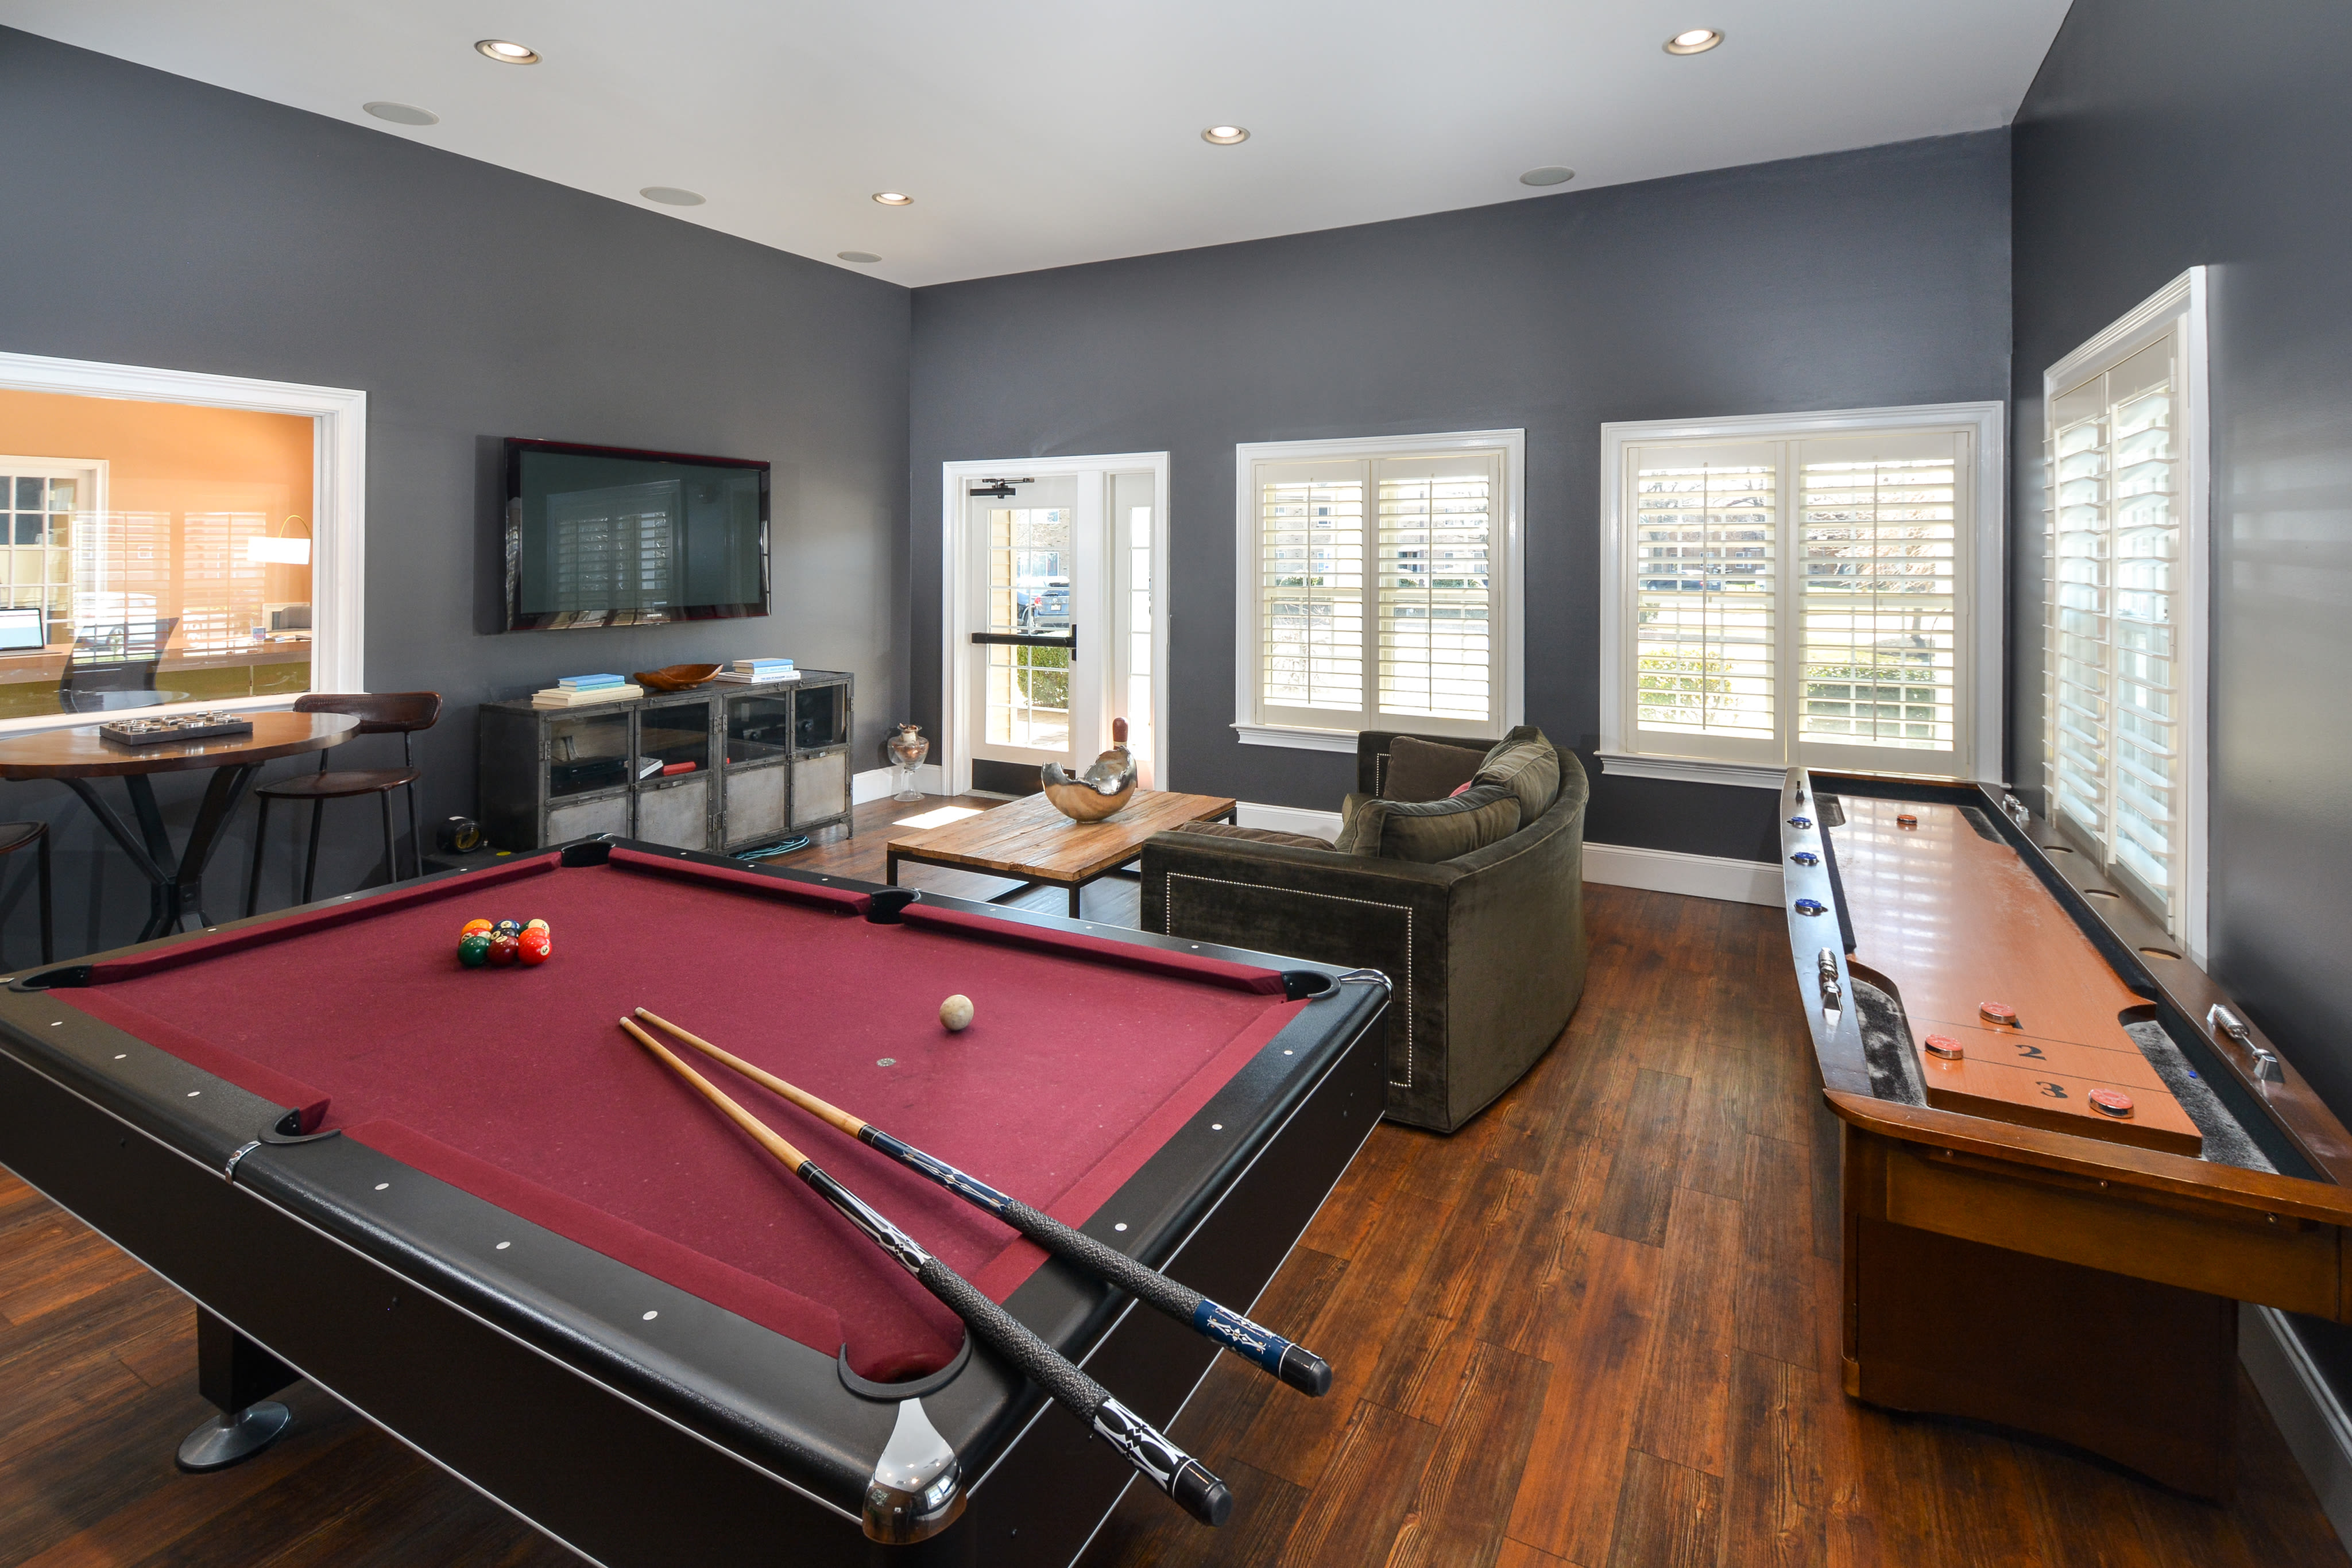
{"type": "Point", "coordinates": [1040, 132]}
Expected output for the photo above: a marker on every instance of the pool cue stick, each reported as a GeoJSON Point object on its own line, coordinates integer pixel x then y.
{"type": "Point", "coordinates": [1261, 1347]}
{"type": "Point", "coordinates": [1161, 1462]}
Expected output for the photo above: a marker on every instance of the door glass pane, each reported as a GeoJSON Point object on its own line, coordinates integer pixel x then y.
{"type": "Point", "coordinates": [759, 729]}
{"type": "Point", "coordinates": [1027, 690]}
{"type": "Point", "coordinates": [673, 738]}
{"type": "Point", "coordinates": [587, 752]}
{"type": "Point", "coordinates": [1131, 517]}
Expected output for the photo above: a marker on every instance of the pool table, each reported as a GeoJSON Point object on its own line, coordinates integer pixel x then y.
{"type": "Point", "coordinates": [466, 1204]}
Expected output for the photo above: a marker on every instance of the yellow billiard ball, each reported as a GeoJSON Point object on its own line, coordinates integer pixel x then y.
{"type": "Point", "coordinates": [956, 1013]}
{"type": "Point", "coordinates": [474, 926]}
{"type": "Point", "coordinates": [535, 926]}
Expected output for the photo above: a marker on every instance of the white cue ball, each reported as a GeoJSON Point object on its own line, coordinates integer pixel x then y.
{"type": "Point", "coordinates": [956, 1013]}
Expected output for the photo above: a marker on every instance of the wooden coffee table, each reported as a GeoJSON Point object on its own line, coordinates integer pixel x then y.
{"type": "Point", "coordinates": [1033, 841]}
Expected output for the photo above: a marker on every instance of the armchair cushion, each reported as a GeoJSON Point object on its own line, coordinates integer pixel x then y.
{"type": "Point", "coordinates": [1524, 763]}
{"type": "Point", "coordinates": [1427, 831]}
{"type": "Point", "coordinates": [1254, 835]}
{"type": "Point", "coordinates": [1425, 770]}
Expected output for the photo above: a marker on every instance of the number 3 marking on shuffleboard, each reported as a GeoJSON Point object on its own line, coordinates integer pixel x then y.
{"type": "Point", "coordinates": [2051, 1090]}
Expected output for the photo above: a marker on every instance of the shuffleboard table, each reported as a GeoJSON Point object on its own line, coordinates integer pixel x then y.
{"type": "Point", "coordinates": [465, 1202]}
{"type": "Point", "coordinates": [2065, 1156]}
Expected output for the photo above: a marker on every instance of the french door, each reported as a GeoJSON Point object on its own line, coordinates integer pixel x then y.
{"type": "Point", "coordinates": [1051, 626]}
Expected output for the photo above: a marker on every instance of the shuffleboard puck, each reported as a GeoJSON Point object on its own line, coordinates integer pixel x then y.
{"type": "Point", "coordinates": [1997, 1012]}
{"type": "Point", "coordinates": [2110, 1102]}
{"type": "Point", "coordinates": [1906, 820]}
{"type": "Point", "coordinates": [1945, 1045]}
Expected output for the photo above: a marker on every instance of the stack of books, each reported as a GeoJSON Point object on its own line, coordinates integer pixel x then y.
{"type": "Point", "coordinates": [758, 672]}
{"type": "Point", "coordinates": [579, 691]}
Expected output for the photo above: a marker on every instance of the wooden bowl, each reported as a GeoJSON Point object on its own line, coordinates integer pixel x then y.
{"type": "Point", "coordinates": [676, 677]}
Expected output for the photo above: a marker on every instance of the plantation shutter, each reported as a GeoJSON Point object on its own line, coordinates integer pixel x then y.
{"type": "Point", "coordinates": [1435, 542]}
{"type": "Point", "coordinates": [1379, 599]}
{"type": "Point", "coordinates": [1311, 550]}
{"type": "Point", "coordinates": [1705, 560]}
{"type": "Point", "coordinates": [2113, 693]}
{"type": "Point", "coordinates": [1880, 553]}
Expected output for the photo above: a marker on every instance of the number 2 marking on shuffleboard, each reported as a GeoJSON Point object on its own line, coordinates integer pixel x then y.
{"type": "Point", "coordinates": [2031, 1052]}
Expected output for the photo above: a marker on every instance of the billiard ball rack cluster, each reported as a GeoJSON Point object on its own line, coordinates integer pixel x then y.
{"type": "Point", "coordinates": [503, 944]}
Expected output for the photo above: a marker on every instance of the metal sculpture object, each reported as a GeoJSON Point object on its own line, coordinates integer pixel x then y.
{"type": "Point", "coordinates": [1102, 789]}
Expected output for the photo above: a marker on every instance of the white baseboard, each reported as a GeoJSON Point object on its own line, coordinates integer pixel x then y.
{"type": "Point", "coordinates": [1289, 819]}
{"type": "Point", "coordinates": [1694, 876]}
{"type": "Point", "coordinates": [881, 783]}
{"type": "Point", "coordinates": [2308, 1415]}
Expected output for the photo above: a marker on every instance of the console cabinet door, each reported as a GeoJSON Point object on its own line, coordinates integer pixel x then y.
{"type": "Point", "coordinates": [677, 814]}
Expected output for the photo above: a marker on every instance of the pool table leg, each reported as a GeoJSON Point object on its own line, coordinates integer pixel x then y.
{"type": "Point", "coordinates": [237, 1376]}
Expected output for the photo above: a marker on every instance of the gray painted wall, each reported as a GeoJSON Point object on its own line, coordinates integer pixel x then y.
{"type": "Point", "coordinates": [2161, 134]}
{"type": "Point", "coordinates": [1855, 279]}
{"type": "Point", "coordinates": [157, 221]}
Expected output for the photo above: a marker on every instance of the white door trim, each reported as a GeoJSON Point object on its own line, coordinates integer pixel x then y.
{"type": "Point", "coordinates": [955, 615]}
{"type": "Point", "coordinates": [337, 497]}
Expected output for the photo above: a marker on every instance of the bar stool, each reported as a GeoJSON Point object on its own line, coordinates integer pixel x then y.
{"type": "Point", "coordinates": [379, 713]}
{"type": "Point", "coordinates": [15, 836]}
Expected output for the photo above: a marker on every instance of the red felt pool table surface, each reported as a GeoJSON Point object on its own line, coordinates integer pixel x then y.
{"type": "Point", "coordinates": [517, 1084]}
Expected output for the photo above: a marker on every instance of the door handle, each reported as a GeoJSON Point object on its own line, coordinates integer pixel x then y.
{"type": "Point", "coordinates": [1067, 639]}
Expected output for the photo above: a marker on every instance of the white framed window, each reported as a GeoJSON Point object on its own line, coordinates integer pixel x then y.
{"type": "Point", "coordinates": [214, 581]}
{"type": "Point", "coordinates": [1378, 588]}
{"type": "Point", "coordinates": [2125, 551]}
{"type": "Point", "coordinates": [1822, 589]}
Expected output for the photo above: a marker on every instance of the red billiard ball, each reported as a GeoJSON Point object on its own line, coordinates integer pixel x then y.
{"type": "Point", "coordinates": [533, 946]}
{"type": "Point", "coordinates": [504, 949]}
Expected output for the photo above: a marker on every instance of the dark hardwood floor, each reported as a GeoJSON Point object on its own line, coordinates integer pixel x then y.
{"type": "Point", "coordinates": [1596, 1327]}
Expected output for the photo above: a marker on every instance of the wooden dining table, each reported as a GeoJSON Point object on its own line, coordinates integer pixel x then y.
{"type": "Point", "coordinates": [79, 756]}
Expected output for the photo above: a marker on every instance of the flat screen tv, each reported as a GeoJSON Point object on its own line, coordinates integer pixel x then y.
{"type": "Point", "coordinates": [605, 536]}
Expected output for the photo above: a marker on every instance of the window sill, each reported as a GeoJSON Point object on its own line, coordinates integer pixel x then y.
{"type": "Point", "coordinates": [1296, 737]}
{"type": "Point", "coordinates": [1695, 770]}
{"type": "Point", "coordinates": [34, 724]}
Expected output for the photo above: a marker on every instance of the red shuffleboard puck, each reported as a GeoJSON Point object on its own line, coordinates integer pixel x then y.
{"type": "Point", "coordinates": [1945, 1045]}
{"type": "Point", "coordinates": [1997, 1012]}
{"type": "Point", "coordinates": [1906, 820]}
{"type": "Point", "coordinates": [2110, 1102]}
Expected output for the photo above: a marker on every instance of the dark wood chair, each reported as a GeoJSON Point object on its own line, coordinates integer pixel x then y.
{"type": "Point", "coordinates": [379, 713]}
{"type": "Point", "coordinates": [15, 836]}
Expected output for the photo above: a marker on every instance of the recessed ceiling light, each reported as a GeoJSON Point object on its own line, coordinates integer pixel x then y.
{"type": "Point", "coordinates": [1227, 135]}
{"type": "Point", "coordinates": [1550, 174]}
{"type": "Point", "coordinates": [507, 52]}
{"type": "Point", "coordinates": [862, 257]}
{"type": "Point", "coordinates": [401, 113]}
{"type": "Point", "coordinates": [671, 196]}
{"type": "Point", "coordinates": [894, 199]}
{"type": "Point", "coordinates": [1697, 41]}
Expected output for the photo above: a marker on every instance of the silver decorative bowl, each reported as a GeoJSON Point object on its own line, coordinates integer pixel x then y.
{"type": "Point", "coordinates": [1097, 792]}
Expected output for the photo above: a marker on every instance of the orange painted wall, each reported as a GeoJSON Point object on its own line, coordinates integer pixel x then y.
{"type": "Point", "coordinates": [177, 458]}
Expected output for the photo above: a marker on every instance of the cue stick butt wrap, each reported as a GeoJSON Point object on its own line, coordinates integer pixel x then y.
{"type": "Point", "coordinates": [1299, 1367]}
{"type": "Point", "coordinates": [1161, 1462]}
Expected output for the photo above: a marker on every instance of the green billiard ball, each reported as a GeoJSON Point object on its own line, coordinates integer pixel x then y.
{"type": "Point", "coordinates": [474, 949]}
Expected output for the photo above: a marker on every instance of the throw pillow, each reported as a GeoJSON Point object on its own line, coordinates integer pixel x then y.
{"type": "Point", "coordinates": [1428, 831]}
{"type": "Point", "coordinates": [1524, 763]}
{"type": "Point", "coordinates": [1425, 770]}
{"type": "Point", "coordinates": [1255, 835]}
